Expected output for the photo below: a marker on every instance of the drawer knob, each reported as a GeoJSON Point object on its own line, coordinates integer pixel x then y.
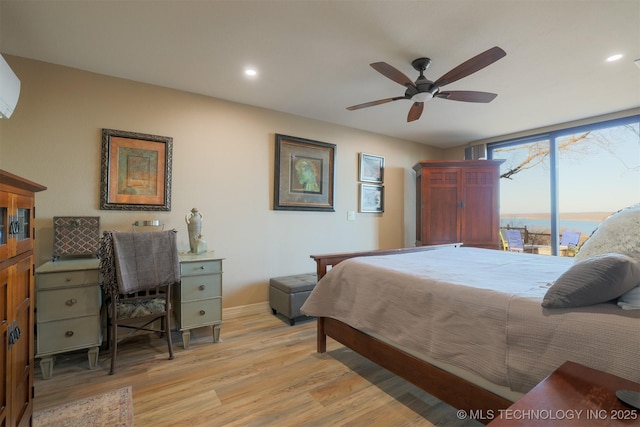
{"type": "Point", "coordinates": [202, 267]}
{"type": "Point", "coordinates": [68, 279]}
{"type": "Point", "coordinates": [71, 302]}
{"type": "Point", "coordinates": [68, 334]}
{"type": "Point", "coordinates": [201, 287]}
{"type": "Point", "coordinates": [202, 312]}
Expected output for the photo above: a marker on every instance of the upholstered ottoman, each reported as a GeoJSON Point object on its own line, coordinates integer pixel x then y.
{"type": "Point", "coordinates": [288, 293]}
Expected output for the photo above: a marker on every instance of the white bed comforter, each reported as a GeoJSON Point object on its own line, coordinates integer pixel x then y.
{"type": "Point", "coordinates": [479, 310]}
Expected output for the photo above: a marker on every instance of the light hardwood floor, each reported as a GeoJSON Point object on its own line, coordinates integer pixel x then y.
{"type": "Point", "coordinates": [262, 373]}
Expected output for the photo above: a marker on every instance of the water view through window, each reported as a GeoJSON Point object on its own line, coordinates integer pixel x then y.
{"type": "Point", "coordinates": [592, 172]}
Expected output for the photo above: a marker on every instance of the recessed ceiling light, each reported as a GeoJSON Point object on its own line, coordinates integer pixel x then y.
{"type": "Point", "coordinates": [614, 57]}
{"type": "Point", "coordinates": [251, 72]}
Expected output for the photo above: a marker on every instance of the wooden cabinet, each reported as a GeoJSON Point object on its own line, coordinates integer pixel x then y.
{"type": "Point", "coordinates": [68, 302]}
{"type": "Point", "coordinates": [16, 298]}
{"type": "Point", "coordinates": [458, 201]}
{"type": "Point", "coordinates": [198, 299]}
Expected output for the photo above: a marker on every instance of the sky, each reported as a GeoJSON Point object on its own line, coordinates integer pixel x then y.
{"type": "Point", "coordinates": [591, 178]}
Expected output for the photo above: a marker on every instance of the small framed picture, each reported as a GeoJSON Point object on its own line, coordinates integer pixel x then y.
{"type": "Point", "coordinates": [371, 198]}
{"type": "Point", "coordinates": [371, 168]}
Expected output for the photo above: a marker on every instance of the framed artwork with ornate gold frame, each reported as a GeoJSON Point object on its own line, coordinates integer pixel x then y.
{"type": "Point", "coordinates": [135, 171]}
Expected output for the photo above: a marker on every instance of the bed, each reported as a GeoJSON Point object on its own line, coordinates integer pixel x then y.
{"type": "Point", "coordinates": [466, 324]}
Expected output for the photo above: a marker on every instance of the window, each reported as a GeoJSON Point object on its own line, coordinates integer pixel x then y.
{"type": "Point", "coordinates": [568, 180]}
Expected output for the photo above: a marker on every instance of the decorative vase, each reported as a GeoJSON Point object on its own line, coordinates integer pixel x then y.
{"type": "Point", "coordinates": [194, 226]}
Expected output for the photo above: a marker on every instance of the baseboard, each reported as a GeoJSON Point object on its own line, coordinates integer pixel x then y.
{"type": "Point", "coordinates": [245, 310]}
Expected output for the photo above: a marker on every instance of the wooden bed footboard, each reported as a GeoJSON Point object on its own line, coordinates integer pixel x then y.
{"type": "Point", "coordinates": [329, 260]}
{"type": "Point", "coordinates": [447, 387]}
{"type": "Point", "coordinates": [455, 391]}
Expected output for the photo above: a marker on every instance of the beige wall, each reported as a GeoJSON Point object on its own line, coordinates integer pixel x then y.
{"type": "Point", "coordinates": [222, 164]}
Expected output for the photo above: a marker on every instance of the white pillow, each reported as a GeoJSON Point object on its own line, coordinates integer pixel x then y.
{"type": "Point", "coordinates": [619, 233]}
{"type": "Point", "coordinates": [630, 300]}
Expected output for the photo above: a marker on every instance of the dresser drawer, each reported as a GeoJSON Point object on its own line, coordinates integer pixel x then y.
{"type": "Point", "coordinates": [199, 287]}
{"type": "Point", "coordinates": [67, 335]}
{"type": "Point", "coordinates": [66, 279]}
{"type": "Point", "coordinates": [200, 313]}
{"type": "Point", "coordinates": [200, 267]}
{"type": "Point", "coordinates": [67, 303]}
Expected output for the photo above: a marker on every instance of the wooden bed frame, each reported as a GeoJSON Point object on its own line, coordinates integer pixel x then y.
{"type": "Point", "coordinates": [447, 387]}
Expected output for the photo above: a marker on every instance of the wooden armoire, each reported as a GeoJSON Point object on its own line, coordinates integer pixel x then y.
{"type": "Point", "coordinates": [16, 298]}
{"type": "Point", "coordinates": [458, 201]}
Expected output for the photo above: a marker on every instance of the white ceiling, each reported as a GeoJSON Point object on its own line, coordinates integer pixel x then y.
{"type": "Point", "coordinates": [312, 56]}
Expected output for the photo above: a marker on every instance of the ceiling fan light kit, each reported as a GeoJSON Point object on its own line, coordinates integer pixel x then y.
{"type": "Point", "coordinates": [422, 96]}
{"type": "Point", "coordinates": [424, 89]}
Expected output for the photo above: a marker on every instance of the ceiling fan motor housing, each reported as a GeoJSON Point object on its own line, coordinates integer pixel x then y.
{"type": "Point", "coordinates": [424, 87]}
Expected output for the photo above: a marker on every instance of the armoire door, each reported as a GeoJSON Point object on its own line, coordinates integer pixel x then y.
{"type": "Point", "coordinates": [479, 212]}
{"type": "Point", "coordinates": [439, 206]}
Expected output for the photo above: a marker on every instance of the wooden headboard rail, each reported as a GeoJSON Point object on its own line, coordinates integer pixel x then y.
{"type": "Point", "coordinates": [329, 260]}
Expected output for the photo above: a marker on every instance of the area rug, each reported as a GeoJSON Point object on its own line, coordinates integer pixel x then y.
{"type": "Point", "coordinates": [114, 408]}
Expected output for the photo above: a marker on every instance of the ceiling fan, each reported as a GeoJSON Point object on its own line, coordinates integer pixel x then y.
{"type": "Point", "coordinates": [423, 89]}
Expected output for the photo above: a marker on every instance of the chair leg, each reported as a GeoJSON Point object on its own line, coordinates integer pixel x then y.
{"type": "Point", "coordinates": [167, 331]}
{"type": "Point", "coordinates": [108, 331]}
{"type": "Point", "coordinates": [114, 340]}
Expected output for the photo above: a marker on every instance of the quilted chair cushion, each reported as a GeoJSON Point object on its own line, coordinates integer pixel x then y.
{"type": "Point", "coordinates": [139, 308]}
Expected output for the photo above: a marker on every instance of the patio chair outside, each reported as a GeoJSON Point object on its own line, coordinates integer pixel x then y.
{"type": "Point", "coordinates": [503, 241]}
{"type": "Point", "coordinates": [570, 241]}
{"type": "Point", "coordinates": [514, 240]}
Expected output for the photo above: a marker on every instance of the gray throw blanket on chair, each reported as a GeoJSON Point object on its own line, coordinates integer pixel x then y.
{"type": "Point", "coordinates": [145, 260]}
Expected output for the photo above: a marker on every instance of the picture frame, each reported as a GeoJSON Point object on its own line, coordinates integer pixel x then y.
{"type": "Point", "coordinates": [135, 171]}
{"type": "Point", "coordinates": [371, 198]}
{"type": "Point", "coordinates": [304, 174]}
{"type": "Point", "coordinates": [371, 168]}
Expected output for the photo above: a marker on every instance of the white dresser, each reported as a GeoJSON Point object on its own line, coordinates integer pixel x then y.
{"type": "Point", "coordinates": [198, 298]}
{"type": "Point", "coordinates": [68, 302]}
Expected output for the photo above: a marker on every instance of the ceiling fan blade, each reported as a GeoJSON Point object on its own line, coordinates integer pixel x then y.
{"type": "Point", "coordinates": [415, 112]}
{"type": "Point", "coordinates": [372, 103]}
{"type": "Point", "coordinates": [392, 73]}
{"type": "Point", "coordinates": [474, 64]}
{"type": "Point", "coordinates": [467, 96]}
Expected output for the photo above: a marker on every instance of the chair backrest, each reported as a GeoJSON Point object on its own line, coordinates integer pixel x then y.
{"type": "Point", "coordinates": [570, 238]}
{"type": "Point", "coordinates": [139, 261]}
{"type": "Point", "coordinates": [514, 240]}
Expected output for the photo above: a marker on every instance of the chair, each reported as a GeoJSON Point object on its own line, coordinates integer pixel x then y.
{"type": "Point", "coordinates": [514, 241]}
{"type": "Point", "coordinates": [570, 241]}
{"type": "Point", "coordinates": [138, 271]}
{"type": "Point", "coordinates": [503, 241]}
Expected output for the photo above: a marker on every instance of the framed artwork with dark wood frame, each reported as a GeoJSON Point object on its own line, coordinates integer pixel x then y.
{"type": "Point", "coordinates": [304, 174]}
{"type": "Point", "coordinates": [371, 168]}
{"type": "Point", "coordinates": [135, 171]}
{"type": "Point", "coordinates": [371, 198]}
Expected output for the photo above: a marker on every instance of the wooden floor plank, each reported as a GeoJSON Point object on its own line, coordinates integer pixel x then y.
{"type": "Point", "coordinates": [263, 372]}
